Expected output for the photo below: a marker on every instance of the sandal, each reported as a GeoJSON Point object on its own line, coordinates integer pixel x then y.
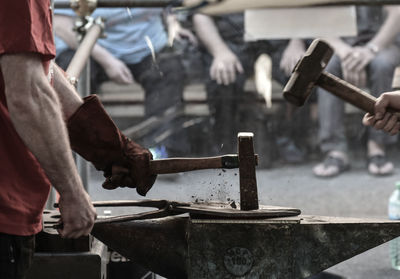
{"type": "Point", "coordinates": [330, 167]}
{"type": "Point", "coordinates": [379, 165]}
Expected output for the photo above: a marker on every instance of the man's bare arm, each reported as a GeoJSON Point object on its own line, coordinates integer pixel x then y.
{"type": "Point", "coordinates": [208, 34]}
{"type": "Point", "coordinates": [35, 111]}
{"type": "Point", "coordinates": [225, 64]}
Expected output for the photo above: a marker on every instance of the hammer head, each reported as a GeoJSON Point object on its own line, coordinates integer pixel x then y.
{"type": "Point", "coordinates": [306, 72]}
{"type": "Point", "coordinates": [247, 172]}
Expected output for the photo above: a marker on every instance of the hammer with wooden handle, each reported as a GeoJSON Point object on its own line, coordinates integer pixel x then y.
{"type": "Point", "coordinates": [309, 72]}
{"type": "Point", "coordinates": [175, 165]}
{"type": "Point", "coordinates": [245, 160]}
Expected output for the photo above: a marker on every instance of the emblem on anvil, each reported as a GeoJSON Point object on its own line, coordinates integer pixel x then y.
{"type": "Point", "coordinates": [238, 261]}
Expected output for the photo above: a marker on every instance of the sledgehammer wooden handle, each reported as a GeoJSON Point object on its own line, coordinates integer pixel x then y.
{"type": "Point", "coordinates": [175, 165]}
{"type": "Point", "coordinates": [349, 93]}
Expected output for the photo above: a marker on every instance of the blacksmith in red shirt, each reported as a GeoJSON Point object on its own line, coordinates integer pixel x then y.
{"type": "Point", "coordinates": [39, 125]}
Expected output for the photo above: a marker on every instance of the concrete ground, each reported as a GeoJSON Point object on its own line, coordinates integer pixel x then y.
{"type": "Point", "coordinates": [353, 194]}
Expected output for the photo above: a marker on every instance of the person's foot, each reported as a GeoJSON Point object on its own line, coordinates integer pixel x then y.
{"type": "Point", "coordinates": [334, 164]}
{"type": "Point", "coordinates": [378, 164]}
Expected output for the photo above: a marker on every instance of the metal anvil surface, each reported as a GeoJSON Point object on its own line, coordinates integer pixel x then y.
{"type": "Point", "coordinates": [292, 247]}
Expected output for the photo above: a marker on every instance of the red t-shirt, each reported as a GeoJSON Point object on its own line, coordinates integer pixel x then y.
{"type": "Point", "coordinates": [25, 26]}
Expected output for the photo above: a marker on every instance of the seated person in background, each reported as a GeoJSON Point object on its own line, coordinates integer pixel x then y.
{"type": "Point", "coordinates": [367, 60]}
{"type": "Point", "coordinates": [230, 62]}
{"type": "Point", "coordinates": [136, 48]}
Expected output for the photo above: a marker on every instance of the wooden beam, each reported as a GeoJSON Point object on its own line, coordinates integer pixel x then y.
{"type": "Point", "coordinates": [231, 6]}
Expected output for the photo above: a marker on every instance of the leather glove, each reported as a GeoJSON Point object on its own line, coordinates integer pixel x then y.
{"type": "Point", "coordinates": [95, 137]}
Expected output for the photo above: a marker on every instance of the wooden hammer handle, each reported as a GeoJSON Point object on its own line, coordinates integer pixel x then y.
{"type": "Point", "coordinates": [350, 93]}
{"type": "Point", "coordinates": [175, 165]}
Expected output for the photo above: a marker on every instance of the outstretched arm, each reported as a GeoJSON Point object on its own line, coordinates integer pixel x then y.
{"type": "Point", "coordinates": [35, 111]}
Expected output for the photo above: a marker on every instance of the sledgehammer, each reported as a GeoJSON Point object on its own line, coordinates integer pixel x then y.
{"type": "Point", "coordinates": [246, 161]}
{"type": "Point", "coordinates": [309, 72]}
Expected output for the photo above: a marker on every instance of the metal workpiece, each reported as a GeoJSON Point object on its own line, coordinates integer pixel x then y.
{"type": "Point", "coordinates": [229, 211]}
{"type": "Point", "coordinates": [290, 247]}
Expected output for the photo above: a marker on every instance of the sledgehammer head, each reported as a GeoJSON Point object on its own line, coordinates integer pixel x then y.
{"type": "Point", "coordinates": [307, 72]}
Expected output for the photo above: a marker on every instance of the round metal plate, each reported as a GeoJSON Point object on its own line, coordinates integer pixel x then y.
{"type": "Point", "coordinates": [220, 210]}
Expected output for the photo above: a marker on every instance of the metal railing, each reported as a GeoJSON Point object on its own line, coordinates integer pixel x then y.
{"type": "Point", "coordinates": [242, 3]}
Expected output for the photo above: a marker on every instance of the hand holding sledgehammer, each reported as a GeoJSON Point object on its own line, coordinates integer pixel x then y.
{"type": "Point", "coordinates": [382, 120]}
{"type": "Point", "coordinates": [309, 72]}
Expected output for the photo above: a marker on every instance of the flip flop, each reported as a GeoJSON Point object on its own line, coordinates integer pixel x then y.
{"type": "Point", "coordinates": [331, 161]}
{"type": "Point", "coordinates": [379, 161]}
